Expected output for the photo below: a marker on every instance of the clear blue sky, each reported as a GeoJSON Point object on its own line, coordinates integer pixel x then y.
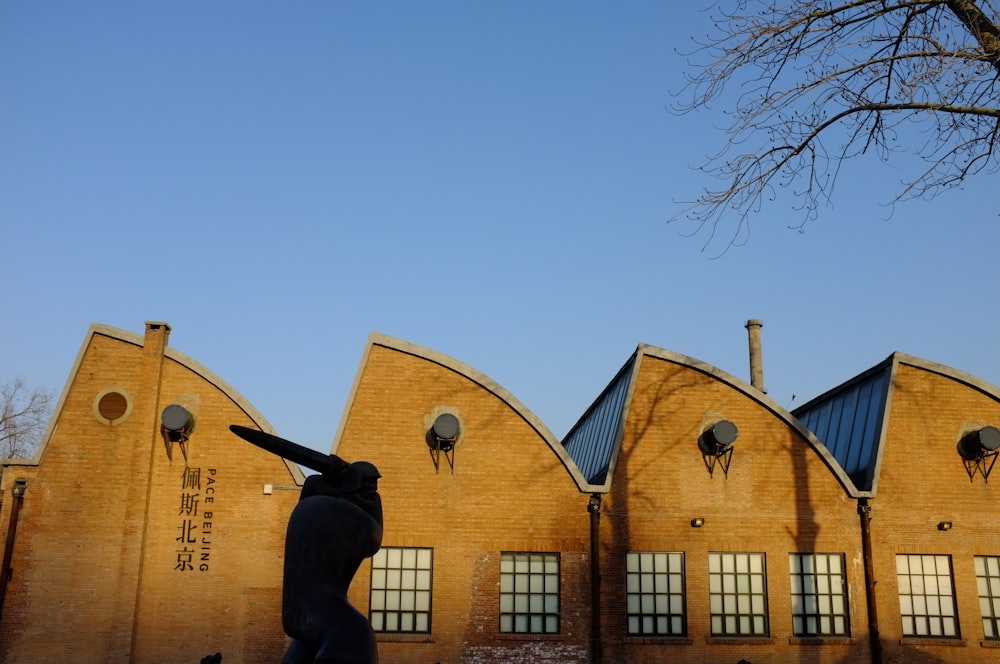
{"type": "Point", "coordinates": [488, 179]}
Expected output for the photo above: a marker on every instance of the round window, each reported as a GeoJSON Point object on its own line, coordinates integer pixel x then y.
{"type": "Point", "coordinates": [112, 406]}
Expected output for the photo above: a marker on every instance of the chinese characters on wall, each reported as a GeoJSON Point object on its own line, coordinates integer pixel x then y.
{"type": "Point", "coordinates": [194, 530]}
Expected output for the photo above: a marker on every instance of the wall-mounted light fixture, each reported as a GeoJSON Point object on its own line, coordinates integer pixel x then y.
{"type": "Point", "coordinates": [442, 437]}
{"type": "Point", "coordinates": [697, 522]}
{"type": "Point", "coordinates": [716, 445]}
{"type": "Point", "coordinates": [979, 450]}
{"type": "Point", "coordinates": [176, 425]}
{"type": "Point", "coordinates": [944, 525]}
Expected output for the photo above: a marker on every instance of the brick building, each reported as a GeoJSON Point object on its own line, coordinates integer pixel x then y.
{"type": "Point", "coordinates": [686, 517]}
{"type": "Point", "coordinates": [130, 542]}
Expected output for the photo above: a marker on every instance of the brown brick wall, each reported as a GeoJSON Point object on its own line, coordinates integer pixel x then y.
{"type": "Point", "coordinates": [508, 492]}
{"type": "Point", "coordinates": [94, 576]}
{"type": "Point", "coordinates": [922, 483]}
{"type": "Point", "coordinates": [779, 497]}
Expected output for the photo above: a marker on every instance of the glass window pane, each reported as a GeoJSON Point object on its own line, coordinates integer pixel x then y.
{"type": "Point", "coordinates": [818, 606]}
{"type": "Point", "coordinates": [400, 587]}
{"type": "Point", "coordinates": [988, 588]}
{"type": "Point", "coordinates": [737, 593]}
{"type": "Point", "coordinates": [529, 597]}
{"type": "Point", "coordinates": [926, 599]}
{"type": "Point", "coordinates": [993, 565]}
{"type": "Point", "coordinates": [654, 597]}
{"type": "Point", "coordinates": [536, 603]}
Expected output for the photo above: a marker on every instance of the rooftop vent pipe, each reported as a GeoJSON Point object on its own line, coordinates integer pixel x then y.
{"type": "Point", "coordinates": [756, 367]}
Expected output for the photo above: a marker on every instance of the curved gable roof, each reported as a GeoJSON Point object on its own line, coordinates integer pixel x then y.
{"type": "Point", "coordinates": [137, 340]}
{"type": "Point", "coordinates": [477, 377]}
{"type": "Point", "coordinates": [852, 418]}
{"type": "Point", "coordinates": [595, 441]}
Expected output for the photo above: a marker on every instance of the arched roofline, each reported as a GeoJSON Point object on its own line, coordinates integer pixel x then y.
{"type": "Point", "coordinates": [196, 367]}
{"type": "Point", "coordinates": [646, 350]}
{"type": "Point", "coordinates": [890, 366]}
{"type": "Point", "coordinates": [471, 374]}
{"type": "Point", "coordinates": [893, 362]}
{"type": "Point", "coordinates": [948, 372]}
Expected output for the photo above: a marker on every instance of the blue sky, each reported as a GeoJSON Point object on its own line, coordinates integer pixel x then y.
{"type": "Point", "coordinates": [491, 180]}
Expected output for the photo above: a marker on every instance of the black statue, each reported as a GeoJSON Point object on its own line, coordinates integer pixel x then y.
{"type": "Point", "coordinates": [336, 524]}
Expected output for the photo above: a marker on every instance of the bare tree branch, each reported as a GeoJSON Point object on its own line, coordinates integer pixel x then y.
{"type": "Point", "coordinates": [24, 414]}
{"type": "Point", "coordinates": [821, 81]}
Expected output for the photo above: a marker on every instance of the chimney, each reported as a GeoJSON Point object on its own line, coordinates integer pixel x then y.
{"type": "Point", "coordinates": [756, 368]}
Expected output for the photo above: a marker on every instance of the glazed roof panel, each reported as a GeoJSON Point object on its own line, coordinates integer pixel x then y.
{"type": "Point", "coordinates": [848, 420]}
{"type": "Point", "coordinates": [591, 441]}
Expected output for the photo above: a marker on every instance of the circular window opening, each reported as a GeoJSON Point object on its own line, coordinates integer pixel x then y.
{"type": "Point", "coordinates": [112, 406]}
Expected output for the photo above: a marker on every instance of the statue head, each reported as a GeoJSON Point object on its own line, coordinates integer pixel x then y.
{"type": "Point", "coordinates": [360, 477]}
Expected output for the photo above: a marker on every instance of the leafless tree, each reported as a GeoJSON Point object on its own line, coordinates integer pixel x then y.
{"type": "Point", "coordinates": [24, 414]}
{"type": "Point", "coordinates": [821, 81]}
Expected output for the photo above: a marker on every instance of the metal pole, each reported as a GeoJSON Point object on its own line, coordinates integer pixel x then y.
{"type": "Point", "coordinates": [17, 493]}
{"type": "Point", "coordinates": [865, 512]}
{"type": "Point", "coordinates": [594, 507]}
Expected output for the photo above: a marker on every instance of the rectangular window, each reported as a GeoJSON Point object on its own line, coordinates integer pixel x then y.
{"type": "Point", "coordinates": [654, 586]}
{"type": "Point", "coordinates": [737, 594]}
{"type": "Point", "coordinates": [988, 580]}
{"type": "Point", "coordinates": [926, 596]}
{"type": "Point", "coordinates": [529, 593]}
{"type": "Point", "coordinates": [401, 590]}
{"type": "Point", "coordinates": [819, 594]}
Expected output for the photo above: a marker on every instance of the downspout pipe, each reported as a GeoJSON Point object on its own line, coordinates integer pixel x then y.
{"type": "Point", "coordinates": [865, 513]}
{"type": "Point", "coordinates": [594, 508]}
{"type": "Point", "coordinates": [17, 493]}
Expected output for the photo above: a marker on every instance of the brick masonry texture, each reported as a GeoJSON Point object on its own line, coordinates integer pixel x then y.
{"type": "Point", "coordinates": [94, 563]}
{"type": "Point", "coordinates": [95, 573]}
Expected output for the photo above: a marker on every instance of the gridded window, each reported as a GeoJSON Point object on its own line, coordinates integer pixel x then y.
{"type": "Point", "coordinates": [737, 594]}
{"type": "Point", "coordinates": [819, 594]}
{"type": "Point", "coordinates": [926, 596]}
{"type": "Point", "coordinates": [401, 590]}
{"type": "Point", "coordinates": [654, 586]}
{"type": "Point", "coordinates": [988, 580]}
{"type": "Point", "coordinates": [529, 593]}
